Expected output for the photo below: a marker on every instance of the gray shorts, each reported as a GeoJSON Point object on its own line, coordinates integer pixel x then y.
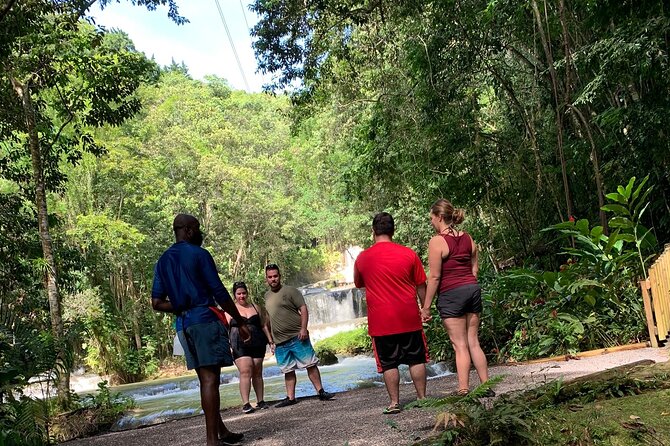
{"type": "Point", "coordinates": [206, 345]}
{"type": "Point", "coordinates": [459, 301]}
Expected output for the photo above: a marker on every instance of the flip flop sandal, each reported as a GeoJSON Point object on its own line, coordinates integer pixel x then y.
{"type": "Point", "coordinates": [391, 410]}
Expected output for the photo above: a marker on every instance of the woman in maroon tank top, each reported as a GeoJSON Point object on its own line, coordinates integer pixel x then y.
{"type": "Point", "coordinates": [452, 258]}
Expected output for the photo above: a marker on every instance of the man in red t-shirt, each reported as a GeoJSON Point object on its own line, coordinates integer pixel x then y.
{"type": "Point", "coordinates": [393, 276]}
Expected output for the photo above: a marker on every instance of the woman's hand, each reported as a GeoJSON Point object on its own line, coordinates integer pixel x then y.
{"type": "Point", "coordinates": [245, 334]}
{"type": "Point", "coordinates": [425, 315]}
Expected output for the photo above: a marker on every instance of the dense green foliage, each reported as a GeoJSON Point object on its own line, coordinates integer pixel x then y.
{"type": "Point", "coordinates": [523, 112]}
{"type": "Point", "coordinates": [61, 77]}
{"type": "Point", "coordinates": [222, 155]}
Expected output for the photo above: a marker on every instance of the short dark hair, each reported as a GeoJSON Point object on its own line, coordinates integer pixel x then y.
{"type": "Point", "coordinates": [183, 221]}
{"type": "Point", "coordinates": [271, 266]}
{"type": "Point", "coordinates": [382, 224]}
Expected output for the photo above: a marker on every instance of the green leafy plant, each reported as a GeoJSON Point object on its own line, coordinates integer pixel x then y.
{"type": "Point", "coordinates": [629, 205]}
{"type": "Point", "coordinates": [467, 420]}
{"type": "Point", "coordinates": [592, 301]}
{"type": "Point", "coordinates": [112, 404]}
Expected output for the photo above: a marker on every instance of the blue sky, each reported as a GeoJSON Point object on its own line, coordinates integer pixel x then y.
{"type": "Point", "coordinates": [201, 44]}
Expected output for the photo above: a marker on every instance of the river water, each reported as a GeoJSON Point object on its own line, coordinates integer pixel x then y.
{"type": "Point", "coordinates": [161, 400]}
{"type": "Point", "coordinates": [330, 311]}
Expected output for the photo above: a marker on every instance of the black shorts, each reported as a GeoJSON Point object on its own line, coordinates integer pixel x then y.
{"type": "Point", "coordinates": [459, 301]}
{"type": "Point", "coordinates": [256, 348]}
{"type": "Point", "coordinates": [254, 352]}
{"type": "Point", "coordinates": [402, 348]}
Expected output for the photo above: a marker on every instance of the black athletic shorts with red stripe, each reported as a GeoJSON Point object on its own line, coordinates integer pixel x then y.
{"type": "Point", "coordinates": [403, 348]}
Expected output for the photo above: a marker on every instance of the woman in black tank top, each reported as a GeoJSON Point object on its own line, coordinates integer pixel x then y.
{"type": "Point", "coordinates": [249, 356]}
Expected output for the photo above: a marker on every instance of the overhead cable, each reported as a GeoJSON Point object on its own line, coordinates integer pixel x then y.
{"type": "Point", "coordinates": [244, 14]}
{"type": "Point", "coordinates": [232, 44]}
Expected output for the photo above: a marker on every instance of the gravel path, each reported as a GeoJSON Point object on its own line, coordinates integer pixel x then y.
{"type": "Point", "coordinates": [354, 418]}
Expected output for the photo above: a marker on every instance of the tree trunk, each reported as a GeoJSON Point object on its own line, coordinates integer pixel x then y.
{"type": "Point", "coordinates": [600, 190]}
{"type": "Point", "coordinates": [559, 106]}
{"type": "Point", "coordinates": [136, 299]}
{"type": "Point", "coordinates": [51, 280]}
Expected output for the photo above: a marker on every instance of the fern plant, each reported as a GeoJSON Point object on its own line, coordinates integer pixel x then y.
{"type": "Point", "coordinates": [467, 419]}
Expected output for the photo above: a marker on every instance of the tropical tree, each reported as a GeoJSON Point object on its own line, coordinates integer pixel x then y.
{"type": "Point", "coordinates": [522, 111]}
{"type": "Point", "coordinates": [60, 77]}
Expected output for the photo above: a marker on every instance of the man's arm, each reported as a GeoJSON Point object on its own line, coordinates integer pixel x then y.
{"type": "Point", "coordinates": [230, 308]}
{"type": "Point", "coordinates": [358, 278]}
{"type": "Point", "coordinates": [163, 305]}
{"type": "Point", "coordinates": [213, 281]}
{"type": "Point", "coordinates": [267, 329]}
{"type": "Point", "coordinates": [304, 320]}
{"type": "Point", "coordinates": [221, 295]}
{"type": "Point", "coordinates": [159, 300]}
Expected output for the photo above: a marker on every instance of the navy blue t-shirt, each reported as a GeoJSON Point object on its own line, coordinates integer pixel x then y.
{"type": "Point", "coordinates": [186, 274]}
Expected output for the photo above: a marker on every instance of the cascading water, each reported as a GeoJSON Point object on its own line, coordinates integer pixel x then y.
{"type": "Point", "coordinates": [338, 305]}
{"type": "Point", "coordinates": [330, 312]}
{"type": "Point", "coordinates": [173, 398]}
{"type": "Point", "coordinates": [334, 311]}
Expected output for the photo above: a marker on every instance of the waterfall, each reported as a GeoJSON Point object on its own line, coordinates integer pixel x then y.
{"type": "Point", "coordinates": [338, 305]}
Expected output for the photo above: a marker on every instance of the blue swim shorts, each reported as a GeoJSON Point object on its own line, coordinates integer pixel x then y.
{"type": "Point", "coordinates": [206, 345]}
{"type": "Point", "coordinates": [295, 354]}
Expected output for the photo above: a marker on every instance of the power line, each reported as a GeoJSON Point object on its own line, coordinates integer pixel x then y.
{"type": "Point", "coordinates": [244, 14]}
{"type": "Point", "coordinates": [232, 45]}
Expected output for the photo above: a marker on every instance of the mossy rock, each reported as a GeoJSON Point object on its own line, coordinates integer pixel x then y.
{"type": "Point", "coordinates": [326, 356]}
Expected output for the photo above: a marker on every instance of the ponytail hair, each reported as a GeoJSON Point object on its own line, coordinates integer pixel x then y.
{"type": "Point", "coordinates": [451, 216]}
{"type": "Point", "coordinates": [458, 216]}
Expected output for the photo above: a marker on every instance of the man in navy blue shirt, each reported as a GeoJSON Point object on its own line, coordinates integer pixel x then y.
{"type": "Point", "coordinates": [187, 284]}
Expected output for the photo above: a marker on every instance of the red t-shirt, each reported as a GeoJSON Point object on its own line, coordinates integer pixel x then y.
{"type": "Point", "coordinates": [390, 274]}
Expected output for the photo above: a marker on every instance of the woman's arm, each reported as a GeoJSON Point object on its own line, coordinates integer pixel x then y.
{"type": "Point", "coordinates": [475, 258]}
{"type": "Point", "coordinates": [265, 323]}
{"type": "Point", "coordinates": [437, 250]}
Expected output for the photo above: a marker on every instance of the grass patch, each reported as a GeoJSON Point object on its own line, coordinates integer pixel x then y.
{"type": "Point", "coordinates": [627, 405]}
{"type": "Point", "coordinates": [352, 342]}
{"type": "Point", "coordinates": [629, 420]}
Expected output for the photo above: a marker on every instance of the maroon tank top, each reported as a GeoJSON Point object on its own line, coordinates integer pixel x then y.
{"type": "Point", "coordinates": [457, 267]}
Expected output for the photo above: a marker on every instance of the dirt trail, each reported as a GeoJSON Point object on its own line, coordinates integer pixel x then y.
{"type": "Point", "coordinates": [354, 417]}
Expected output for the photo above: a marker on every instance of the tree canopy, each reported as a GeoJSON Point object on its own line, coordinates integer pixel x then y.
{"type": "Point", "coordinates": [525, 113]}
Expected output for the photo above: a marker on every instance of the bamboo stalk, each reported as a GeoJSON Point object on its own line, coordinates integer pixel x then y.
{"type": "Point", "coordinates": [656, 293]}
{"type": "Point", "coordinates": [664, 279]}
{"type": "Point", "coordinates": [645, 286]}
